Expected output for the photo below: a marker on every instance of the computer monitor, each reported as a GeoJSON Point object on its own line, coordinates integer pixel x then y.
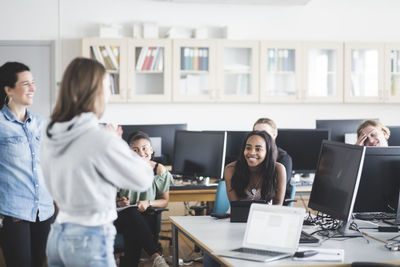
{"type": "Point", "coordinates": [234, 140]}
{"type": "Point", "coordinates": [339, 127]}
{"type": "Point", "coordinates": [380, 181]}
{"type": "Point", "coordinates": [336, 181]}
{"type": "Point", "coordinates": [157, 132]}
{"type": "Point", "coordinates": [303, 145]}
{"type": "Point", "coordinates": [394, 139]}
{"type": "Point", "coordinates": [199, 154]}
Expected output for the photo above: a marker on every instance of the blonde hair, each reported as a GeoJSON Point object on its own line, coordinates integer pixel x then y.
{"type": "Point", "coordinates": [375, 124]}
{"type": "Point", "coordinates": [80, 90]}
{"type": "Point", "coordinates": [266, 121]}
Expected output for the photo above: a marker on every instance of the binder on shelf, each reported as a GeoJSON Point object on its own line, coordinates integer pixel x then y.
{"type": "Point", "coordinates": [185, 58]}
{"type": "Point", "coordinates": [195, 59]}
{"type": "Point", "coordinates": [153, 55]}
{"type": "Point", "coordinates": [191, 55]}
{"type": "Point", "coordinates": [205, 59]}
{"type": "Point", "coordinates": [114, 62]}
{"type": "Point", "coordinates": [97, 55]}
{"type": "Point", "coordinates": [115, 51]}
{"type": "Point", "coordinates": [141, 58]}
{"type": "Point", "coordinates": [201, 58]}
{"type": "Point", "coordinates": [160, 60]}
{"type": "Point", "coordinates": [106, 57]}
{"type": "Point", "coordinates": [147, 58]}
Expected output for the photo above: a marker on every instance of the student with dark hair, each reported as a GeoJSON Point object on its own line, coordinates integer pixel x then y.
{"type": "Point", "coordinates": [256, 175]}
{"type": "Point", "coordinates": [83, 164]}
{"type": "Point", "coordinates": [26, 207]}
{"type": "Point", "coordinates": [268, 125]}
{"type": "Point", "coordinates": [136, 224]}
{"type": "Point", "coordinates": [372, 133]}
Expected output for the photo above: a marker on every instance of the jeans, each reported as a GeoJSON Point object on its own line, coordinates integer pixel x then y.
{"type": "Point", "coordinates": [77, 245]}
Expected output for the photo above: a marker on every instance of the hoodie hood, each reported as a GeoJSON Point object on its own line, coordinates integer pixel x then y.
{"type": "Point", "coordinates": [60, 135]}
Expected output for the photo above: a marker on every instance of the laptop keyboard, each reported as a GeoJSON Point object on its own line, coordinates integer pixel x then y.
{"type": "Point", "coordinates": [375, 216]}
{"type": "Point", "coordinates": [307, 238]}
{"type": "Point", "coordinates": [258, 252]}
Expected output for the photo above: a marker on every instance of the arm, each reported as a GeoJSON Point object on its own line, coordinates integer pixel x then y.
{"type": "Point", "coordinates": [228, 173]}
{"type": "Point", "coordinates": [281, 184]}
{"type": "Point", "coordinates": [160, 202]}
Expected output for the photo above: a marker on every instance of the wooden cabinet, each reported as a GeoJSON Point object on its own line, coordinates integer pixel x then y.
{"type": "Point", "coordinates": [392, 73]}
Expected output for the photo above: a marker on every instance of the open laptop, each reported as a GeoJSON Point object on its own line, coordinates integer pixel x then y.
{"type": "Point", "coordinates": [272, 233]}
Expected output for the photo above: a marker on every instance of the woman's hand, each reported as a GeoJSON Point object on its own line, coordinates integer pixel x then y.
{"type": "Point", "coordinates": [112, 128]}
{"type": "Point", "coordinates": [143, 205]}
{"type": "Point", "coordinates": [123, 201]}
{"type": "Point", "coordinates": [363, 137]}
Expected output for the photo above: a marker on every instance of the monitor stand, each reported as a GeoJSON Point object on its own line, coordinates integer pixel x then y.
{"type": "Point", "coordinates": [345, 231]}
{"type": "Point", "coordinates": [397, 220]}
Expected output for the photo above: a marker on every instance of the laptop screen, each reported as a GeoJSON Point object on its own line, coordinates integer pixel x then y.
{"type": "Point", "coordinates": [273, 228]}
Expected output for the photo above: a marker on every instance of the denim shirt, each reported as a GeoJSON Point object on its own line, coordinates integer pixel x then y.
{"type": "Point", "coordinates": [22, 189]}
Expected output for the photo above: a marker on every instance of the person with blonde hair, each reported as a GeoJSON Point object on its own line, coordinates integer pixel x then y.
{"type": "Point", "coordinates": [372, 133]}
{"type": "Point", "coordinates": [83, 164]}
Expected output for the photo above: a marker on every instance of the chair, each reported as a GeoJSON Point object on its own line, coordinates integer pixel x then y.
{"type": "Point", "coordinates": [289, 201]}
{"type": "Point", "coordinates": [221, 202]}
{"type": "Point", "coordinates": [119, 238]}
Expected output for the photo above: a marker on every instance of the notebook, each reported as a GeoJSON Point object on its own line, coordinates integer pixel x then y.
{"type": "Point", "coordinates": [272, 233]}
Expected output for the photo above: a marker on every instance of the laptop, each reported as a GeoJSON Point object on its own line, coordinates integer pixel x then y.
{"type": "Point", "coordinates": [272, 233]}
{"type": "Point", "coordinates": [240, 209]}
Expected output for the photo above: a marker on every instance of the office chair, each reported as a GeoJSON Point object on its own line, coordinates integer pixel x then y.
{"type": "Point", "coordinates": [221, 202]}
{"type": "Point", "coordinates": [372, 264]}
{"type": "Point", "coordinates": [289, 201]}
{"type": "Point", "coordinates": [119, 238]}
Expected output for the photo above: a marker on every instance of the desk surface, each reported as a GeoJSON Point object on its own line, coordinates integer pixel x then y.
{"type": "Point", "coordinates": [212, 235]}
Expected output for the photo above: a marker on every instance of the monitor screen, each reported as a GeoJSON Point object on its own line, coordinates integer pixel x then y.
{"type": "Point", "coordinates": [160, 133]}
{"type": "Point", "coordinates": [394, 139]}
{"type": "Point", "coordinates": [339, 127]}
{"type": "Point", "coordinates": [336, 179]}
{"type": "Point", "coordinates": [234, 140]}
{"type": "Point", "coordinates": [380, 181]}
{"type": "Point", "coordinates": [303, 145]}
{"type": "Point", "coordinates": [199, 154]}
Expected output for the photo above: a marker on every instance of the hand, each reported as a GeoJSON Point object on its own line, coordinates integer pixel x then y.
{"type": "Point", "coordinates": [363, 137]}
{"type": "Point", "coordinates": [118, 129]}
{"type": "Point", "coordinates": [123, 201]}
{"type": "Point", "coordinates": [143, 205]}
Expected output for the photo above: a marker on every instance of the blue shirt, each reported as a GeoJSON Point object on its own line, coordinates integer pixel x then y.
{"type": "Point", "coordinates": [22, 188]}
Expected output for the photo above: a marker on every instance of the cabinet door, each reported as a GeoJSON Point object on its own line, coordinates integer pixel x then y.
{"type": "Point", "coordinates": [392, 73]}
{"type": "Point", "coordinates": [364, 71]}
{"type": "Point", "coordinates": [280, 72]}
{"type": "Point", "coordinates": [237, 63]}
{"type": "Point", "coordinates": [149, 71]}
{"type": "Point", "coordinates": [112, 53]}
{"type": "Point", "coordinates": [323, 77]}
{"type": "Point", "coordinates": [194, 71]}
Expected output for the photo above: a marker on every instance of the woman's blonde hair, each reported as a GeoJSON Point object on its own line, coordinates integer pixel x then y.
{"type": "Point", "coordinates": [375, 124]}
{"type": "Point", "coordinates": [80, 90]}
{"type": "Point", "coordinates": [268, 121]}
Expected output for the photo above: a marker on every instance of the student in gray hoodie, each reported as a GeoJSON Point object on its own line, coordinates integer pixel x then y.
{"type": "Point", "coordinates": [83, 164]}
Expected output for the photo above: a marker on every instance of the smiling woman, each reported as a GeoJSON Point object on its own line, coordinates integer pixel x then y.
{"type": "Point", "coordinates": [256, 175]}
{"type": "Point", "coordinates": [25, 204]}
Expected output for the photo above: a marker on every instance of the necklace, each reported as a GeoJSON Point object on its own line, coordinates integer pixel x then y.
{"type": "Point", "coordinates": [254, 187]}
{"type": "Point", "coordinates": [253, 191]}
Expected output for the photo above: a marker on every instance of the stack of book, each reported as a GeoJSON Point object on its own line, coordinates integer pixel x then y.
{"type": "Point", "coordinates": [107, 55]}
{"type": "Point", "coordinates": [194, 59]}
{"type": "Point", "coordinates": [150, 59]}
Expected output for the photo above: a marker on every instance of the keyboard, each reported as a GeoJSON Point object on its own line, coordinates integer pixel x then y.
{"type": "Point", "coordinates": [307, 238]}
{"type": "Point", "coordinates": [258, 252]}
{"type": "Point", "coordinates": [369, 216]}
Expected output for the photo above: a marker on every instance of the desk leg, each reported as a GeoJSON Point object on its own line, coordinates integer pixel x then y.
{"type": "Point", "coordinates": [175, 249]}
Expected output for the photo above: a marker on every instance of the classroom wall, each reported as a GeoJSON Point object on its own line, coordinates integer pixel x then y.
{"type": "Point", "coordinates": [67, 21]}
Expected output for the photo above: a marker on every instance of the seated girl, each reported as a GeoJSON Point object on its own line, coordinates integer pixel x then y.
{"type": "Point", "coordinates": [136, 224]}
{"type": "Point", "coordinates": [372, 133]}
{"type": "Point", "coordinates": [256, 175]}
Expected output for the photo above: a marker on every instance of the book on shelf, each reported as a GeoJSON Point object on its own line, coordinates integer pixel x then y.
{"type": "Point", "coordinates": [160, 60]}
{"type": "Point", "coordinates": [115, 51]}
{"type": "Point", "coordinates": [110, 53]}
{"type": "Point", "coordinates": [200, 59]}
{"type": "Point", "coordinates": [156, 52]}
{"type": "Point", "coordinates": [185, 58]}
{"type": "Point", "coordinates": [195, 65]}
{"type": "Point", "coordinates": [147, 58]}
{"type": "Point", "coordinates": [141, 57]}
{"type": "Point", "coordinates": [106, 57]}
{"type": "Point", "coordinates": [205, 59]}
{"type": "Point", "coordinates": [97, 55]}
{"type": "Point", "coordinates": [151, 58]}
{"type": "Point", "coordinates": [191, 55]}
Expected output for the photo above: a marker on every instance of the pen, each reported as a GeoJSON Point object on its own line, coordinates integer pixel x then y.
{"type": "Point", "coordinates": [370, 236]}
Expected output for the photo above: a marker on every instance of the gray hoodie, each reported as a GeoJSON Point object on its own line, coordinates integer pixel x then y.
{"type": "Point", "coordinates": [83, 164]}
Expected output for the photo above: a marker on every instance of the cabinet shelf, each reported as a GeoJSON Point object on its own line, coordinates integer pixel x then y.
{"type": "Point", "coordinates": [149, 72]}
{"type": "Point", "coordinates": [194, 72]}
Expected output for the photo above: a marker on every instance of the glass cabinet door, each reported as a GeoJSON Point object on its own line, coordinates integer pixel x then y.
{"type": "Point", "coordinates": [392, 73]}
{"type": "Point", "coordinates": [149, 76]}
{"type": "Point", "coordinates": [112, 54]}
{"type": "Point", "coordinates": [324, 79]}
{"type": "Point", "coordinates": [194, 68]}
{"type": "Point", "coordinates": [238, 71]}
{"type": "Point", "coordinates": [364, 72]}
{"type": "Point", "coordinates": [280, 74]}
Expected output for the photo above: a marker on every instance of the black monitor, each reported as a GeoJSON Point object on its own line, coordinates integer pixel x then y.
{"type": "Point", "coordinates": [339, 127]}
{"type": "Point", "coordinates": [394, 139]}
{"type": "Point", "coordinates": [380, 181]}
{"type": "Point", "coordinates": [234, 140]}
{"type": "Point", "coordinates": [199, 154]}
{"type": "Point", "coordinates": [303, 145]}
{"type": "Point", "coordinates": [336, 181]}
{"type": "Point", "coordinates": [159, 133]}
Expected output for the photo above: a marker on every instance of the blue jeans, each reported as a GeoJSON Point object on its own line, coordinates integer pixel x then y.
{"type": "Point", "coordinates": [77, 245]}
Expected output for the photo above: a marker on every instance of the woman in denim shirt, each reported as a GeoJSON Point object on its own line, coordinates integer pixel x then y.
{"type": "Point", "coordinates": [26, 207]}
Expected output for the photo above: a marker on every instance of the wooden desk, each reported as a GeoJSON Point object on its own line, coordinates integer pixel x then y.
{"type": "Point", "coordinates": [192, 195]}
{"type": "Point", "coordinates": [213, 235]}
